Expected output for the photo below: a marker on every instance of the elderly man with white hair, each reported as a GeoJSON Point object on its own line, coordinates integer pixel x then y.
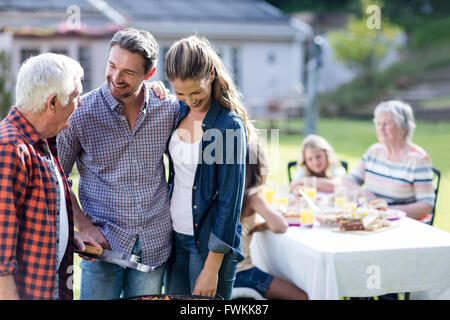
{"type": "Point", "coordinates": [36, 223]}
{"type": "Point", "coordinates": [396, 169]}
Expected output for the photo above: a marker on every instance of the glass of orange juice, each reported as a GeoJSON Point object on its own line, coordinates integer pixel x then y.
{"type": "Point", "coordinates": [340, 197]}
{"type": "Point", "coordinates": [269, 195]}
{"type": "Point", "coordinates": [306, 214]}
{"type": "Point", "coordinates": [310, 187]}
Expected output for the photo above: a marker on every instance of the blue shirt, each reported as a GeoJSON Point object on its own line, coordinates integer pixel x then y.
{"type": "Point", "coordinates": [218, 188]}
{"type": "Point", "coordinates": [123, 187]}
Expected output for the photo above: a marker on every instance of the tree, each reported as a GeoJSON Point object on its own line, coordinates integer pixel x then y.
{"type": "Point", "coordinates": [5, 94]}
{"type": "Point", "coordinates": [365, 41]}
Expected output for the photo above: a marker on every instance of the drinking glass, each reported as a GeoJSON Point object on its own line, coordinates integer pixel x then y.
{"type": "Point", "coordinates": [282, 197]}
{"type": "Point", "coordinates": [269, 193]}
{"type": "Point", "coordinates": [306, 214]}
{"type": "Point", "coordinates": [352, 202]}
{"type": "Point", "coordinates": [340, 197]}
{"type": "Point", "coordinates": [310, 187]}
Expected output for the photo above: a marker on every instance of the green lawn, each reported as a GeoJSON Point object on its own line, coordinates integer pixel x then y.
{"type": "Point", "coordinates": [442, 102]}
{"type": "Point", "coordinates": [350, 139]}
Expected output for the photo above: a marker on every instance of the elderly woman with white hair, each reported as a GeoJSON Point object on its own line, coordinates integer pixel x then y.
{"type": "Point", "coordinates": [395, 169]}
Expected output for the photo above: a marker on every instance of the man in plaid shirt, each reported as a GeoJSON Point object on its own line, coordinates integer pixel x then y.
{"type": "Point", "coordinates": [117, 138]}
{"type": "Point", "coordinates": [36, 223]}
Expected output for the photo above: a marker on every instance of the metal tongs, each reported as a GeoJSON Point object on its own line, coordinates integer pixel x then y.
{"type": "Point", "coordinates": [125, 260]}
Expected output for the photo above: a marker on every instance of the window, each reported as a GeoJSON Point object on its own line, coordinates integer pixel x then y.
{"type": "Point", "coordinates": [84, 57]}
{"type": "Point", "coordinates": [235, 65]}
{"type": "Point", "coordinates": [59, 51]}
{"type": "Point", "coordinates": [220, 52]}
{"type": "Point", "coordinates": [271, 58]}
{"type": "Point", "coordinates": [162, 64]}
{"type": "Point", "coordinates": [27, 53]}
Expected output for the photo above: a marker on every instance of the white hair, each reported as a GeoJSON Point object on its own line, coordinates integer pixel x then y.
{"type": "Point", "coordinates": [41, 76]}
{"type": "Point", "coordinates": [402, 113]}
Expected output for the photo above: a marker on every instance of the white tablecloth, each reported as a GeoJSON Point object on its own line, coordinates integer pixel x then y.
{"type": "Point", "coordinates": [411, 257]}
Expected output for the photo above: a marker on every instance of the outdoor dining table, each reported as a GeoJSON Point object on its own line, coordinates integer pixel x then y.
{"type": "Point", "coordinates": [409, 257]}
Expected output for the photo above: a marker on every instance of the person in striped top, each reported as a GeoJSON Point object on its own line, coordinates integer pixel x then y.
{"type": "Point", "coordinates": [395, 169]}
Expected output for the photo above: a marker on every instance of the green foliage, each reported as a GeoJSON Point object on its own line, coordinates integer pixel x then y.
{"type": "Point", "coordinates": [354, 96]}
{"type": "Point", "coordinates": [411, 14]}
{"type": "Point", "coordinates": [434, 32]}
{"type": "Point", "coordinates": [423, 20]}
{"type": "Point", "coordinates": [362, 47]}
{"type": "Point", "coordinates": [5, 94]}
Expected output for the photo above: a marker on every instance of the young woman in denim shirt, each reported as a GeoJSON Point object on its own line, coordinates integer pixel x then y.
{"type": "Point", "coordinates": [207, 171]}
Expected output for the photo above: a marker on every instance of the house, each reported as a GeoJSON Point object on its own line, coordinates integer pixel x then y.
{"type": "Point", "coordinates": [71, 27]}
{"type": "Point", "coordinates": [264, 49]}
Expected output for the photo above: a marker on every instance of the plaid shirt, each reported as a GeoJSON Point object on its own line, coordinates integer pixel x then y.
{"type": "Point", "coordinates": [122, 185]}
{"type": "Point", "coordinates": [29, 216]}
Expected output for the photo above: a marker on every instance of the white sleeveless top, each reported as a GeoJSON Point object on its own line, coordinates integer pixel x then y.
{"type": "Point", "coordinates": [185, 160]}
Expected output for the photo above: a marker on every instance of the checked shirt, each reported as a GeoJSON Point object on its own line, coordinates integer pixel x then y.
{"type": "Point", "coordinates": [122, 186]}
{"type": "Point", "coordinates": [29, 213]}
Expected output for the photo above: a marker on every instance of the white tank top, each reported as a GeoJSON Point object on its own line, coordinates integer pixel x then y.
{"type": "Point", "coordinates": [185, 160]}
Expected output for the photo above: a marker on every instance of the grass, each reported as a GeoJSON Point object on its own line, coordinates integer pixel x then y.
{"type": "Point", "coordinates": [442, 102]}
{"type": "Point", "coordinates": [350, 139]}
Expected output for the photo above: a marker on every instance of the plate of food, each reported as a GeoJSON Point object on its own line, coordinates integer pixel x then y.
{"type": "Point", "coordinates": [364, 225]}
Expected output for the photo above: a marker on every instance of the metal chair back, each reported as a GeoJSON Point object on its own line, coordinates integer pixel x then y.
{"type": "Point", "coordinates": [292, 164]}
{"type": "Point", "coordinates": [436, 182]}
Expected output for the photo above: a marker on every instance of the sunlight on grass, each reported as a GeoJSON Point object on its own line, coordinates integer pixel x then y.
{"type": "Point", "coordinates": [437, 103]}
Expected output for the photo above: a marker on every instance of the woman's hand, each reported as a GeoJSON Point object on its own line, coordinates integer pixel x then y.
{"type": "Point", "coordinates": [206, 284]}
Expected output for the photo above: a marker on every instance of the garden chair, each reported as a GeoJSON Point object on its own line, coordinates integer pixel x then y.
{"type": "Point", "coordinates": [292, 164]}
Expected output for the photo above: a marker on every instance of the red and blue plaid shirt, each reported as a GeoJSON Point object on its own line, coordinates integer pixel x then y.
{"type": "Point", "coordinates": [29, 213]}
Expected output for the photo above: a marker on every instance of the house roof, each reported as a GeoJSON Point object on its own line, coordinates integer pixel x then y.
{"type": "Point", "coordinates": [203, 10]}
{"type": "Point", "coordinates": [231, 19]}
{"type": "Point", "coordinates": [50, 17]}
{"type": "Point", "coordinates": [217, 18]}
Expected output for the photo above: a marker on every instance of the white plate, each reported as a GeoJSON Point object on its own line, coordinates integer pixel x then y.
{"type": "Point", "coordinates": [393, 214]}
{"type": "Point", "coordinates": [389, 214]}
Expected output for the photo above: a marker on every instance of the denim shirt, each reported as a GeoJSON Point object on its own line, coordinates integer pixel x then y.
{"type": "Point", "coordinates": [218, 187]}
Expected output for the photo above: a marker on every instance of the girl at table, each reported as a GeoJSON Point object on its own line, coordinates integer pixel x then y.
{"type": "Point", "coordinates": [317, 158]}
{"type": "Point", "coordinates": [207, 171]}
{"type": "Point", "coordinates": [248, 275]}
